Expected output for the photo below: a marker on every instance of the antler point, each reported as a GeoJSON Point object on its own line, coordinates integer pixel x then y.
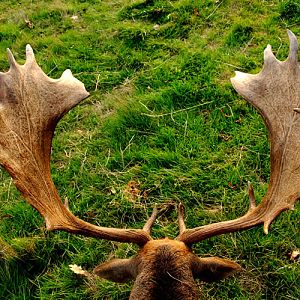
{"type": "Point", "coordinates": [239, 76]}
{"type": "Point", "coordinates": [266, 227]}
{"type": "Point", "coordinates": [293, 54]}
{"type": "Point", "coordinates": [11, 59]}
{"type": "Point", "coordinates": [251, 196]}
{"type": "Point", "coordinates": [29, 54]}
{"type": "Point", "coordinates": [181, 208]}
{"type": "Point", "coordinates": [268, 54]}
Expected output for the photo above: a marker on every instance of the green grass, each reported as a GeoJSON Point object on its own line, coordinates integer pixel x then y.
{"type": "Point", "coordinates": [162, 113]}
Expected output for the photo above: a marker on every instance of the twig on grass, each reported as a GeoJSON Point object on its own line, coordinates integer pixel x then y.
{"type": "Point", "coordinates": [176, 111]}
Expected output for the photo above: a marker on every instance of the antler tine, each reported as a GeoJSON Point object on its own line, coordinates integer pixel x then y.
{"type": "Point", "coordinates": [251, 197]}
{"type": "Point", "coordinates": [31, 104]}
{"type": "Point", "coordinates": [275, 92]}
{"type": "Point", "coordinates": [293, 54]}
{"type": "Point", "coordinates": [269, 57]}
{"type": "Point", "coordinates": [30, 58]}
{"type": "Point", "coordinates": [150, 222]}
{"type": "Point", "coordinates": [250, 219]}
{"type": "Point", "coordinates": [181, 222]}
{"type": "Point", "coordinates": [11, 59]}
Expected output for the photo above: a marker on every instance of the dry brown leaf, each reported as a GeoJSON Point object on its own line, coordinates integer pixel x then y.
{"type": "Point", "coordinates": [78, 270]}
{"type": "Point", "coordinates": [29, 23]}
{"type": "Point", "coordinates": [294, 255]}
{"type": "Point", "coordinates": [214, 209]}
{"type": "Point", "coordinates": [132, 190]}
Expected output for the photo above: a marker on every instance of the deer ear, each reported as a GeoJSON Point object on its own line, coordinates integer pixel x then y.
{"type": "Point", "coordinates": [213, 268]}
{"type": "Point", "coordinates": [117, 270]}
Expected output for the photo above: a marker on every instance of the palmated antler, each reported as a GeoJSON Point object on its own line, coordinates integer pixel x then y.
{"type": "Point", "coordinates": [31, 104]}
{"type": "Point", "coordinates": [275, 92]}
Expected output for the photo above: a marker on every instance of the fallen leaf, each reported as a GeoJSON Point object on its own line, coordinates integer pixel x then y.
{"type": "Point", "coordinates": [74, 18]}
{"type": "Point", "coordinates": [232, 186]}
{"type": "Point", "coordinates": [132, 190]}
{"type": "Point", "coordinates": [29, 24]}
{"type": "Point", "coordinates": [113, 191]}
{"type": "Point", "coordinates": [294, 255]}
{"type": "Point", "coordinates": [78, 270]}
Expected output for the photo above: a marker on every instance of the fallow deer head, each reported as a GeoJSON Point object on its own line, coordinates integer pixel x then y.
{"type": "Point", "coordinates": [31, 104]}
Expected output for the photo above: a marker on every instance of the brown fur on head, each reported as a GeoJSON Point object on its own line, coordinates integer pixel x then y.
{"type": "Point", "coordinates": [165, 269]}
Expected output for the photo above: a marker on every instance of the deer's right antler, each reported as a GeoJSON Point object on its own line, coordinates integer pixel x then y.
{"type": "Point", "coordinates": [31, 104]}
{"type": "Point", "coordinates": [275, 92]}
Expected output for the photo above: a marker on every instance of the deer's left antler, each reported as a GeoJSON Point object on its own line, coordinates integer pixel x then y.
{"type": "Point", "coordinates": [275, 92]}
{"type": "Point", "coordinates": [31, 104]}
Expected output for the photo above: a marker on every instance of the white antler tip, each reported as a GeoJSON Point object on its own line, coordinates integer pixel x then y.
{"type": "Point", "coordinates": [11, 59]}
{"type": "Point", "coordinates": [29, 54]}
{"type": "Point", "coordinates": [293, 45]}
{"type": "Point", "coordinates": [67, 75]}
{"type": "Point", "coordinates": [266, 227]}
{"type": "Point", "coordinates": [239, 76]}
{"type": "Point", "coordinates": [68, 71]}
{"type": "Point", "coordinates": [8, 51]}
{"type": "Point", "coordinates": [293, 38]}
{"type": "Point", "coordinates": [28, 48]}
{"type": "Point", "coordinates": [268, 54]}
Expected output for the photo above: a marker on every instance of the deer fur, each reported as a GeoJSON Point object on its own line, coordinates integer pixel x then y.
{"type": "Point", "coordinates": [166, 269]}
